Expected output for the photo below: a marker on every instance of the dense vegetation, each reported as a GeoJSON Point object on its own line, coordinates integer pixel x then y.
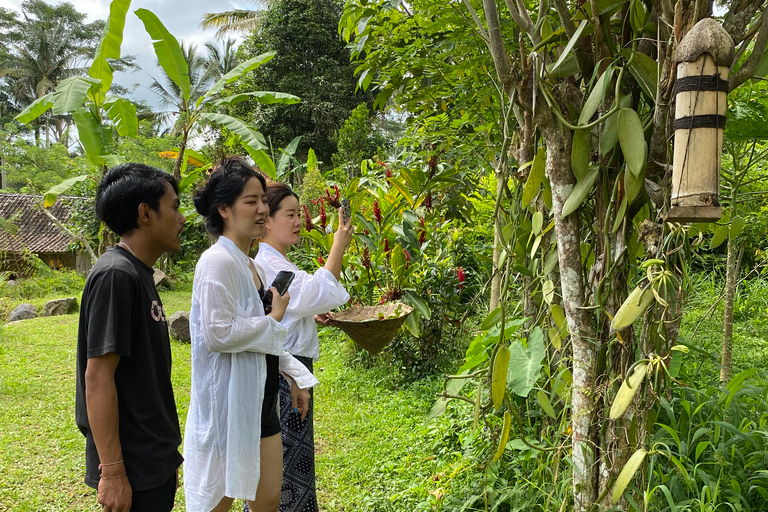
{"type": "Point", "coordinates": [509, 167]}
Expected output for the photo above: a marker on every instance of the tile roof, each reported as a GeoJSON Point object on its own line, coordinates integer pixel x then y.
{"type": "Point", "coordinates": [36, 231]}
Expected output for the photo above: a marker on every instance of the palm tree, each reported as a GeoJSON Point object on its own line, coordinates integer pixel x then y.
{"type": "Point", "coordinates": [236, 21]}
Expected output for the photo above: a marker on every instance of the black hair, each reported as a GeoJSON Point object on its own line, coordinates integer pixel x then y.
{"type": "Point", "coordinates": [276, 192]}
{"type": "Point", "coordinates": [123, 188]}
{"type": "Point", "coordinates": [224, 185]}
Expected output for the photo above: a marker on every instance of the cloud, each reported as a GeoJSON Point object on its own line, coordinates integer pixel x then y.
{"type": "Point", "coordinates": [180, 17]}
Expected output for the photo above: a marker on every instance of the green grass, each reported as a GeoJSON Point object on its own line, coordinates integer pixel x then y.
{"type": "Point", "coordinates": [374, 450]}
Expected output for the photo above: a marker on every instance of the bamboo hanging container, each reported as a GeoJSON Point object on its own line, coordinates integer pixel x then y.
{"type": "Point", "coordinates": [701, 89]}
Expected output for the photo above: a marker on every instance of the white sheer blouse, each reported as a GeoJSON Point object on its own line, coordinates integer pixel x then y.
{"type": "Point", "coordinates": [230, 337]}
{"type": "Point", "coordinates": [311, 294]}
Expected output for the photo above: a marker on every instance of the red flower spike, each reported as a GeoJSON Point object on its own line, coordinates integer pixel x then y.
{"type": "Point", "coordinates": [428, 201]}
{"type": "Point", "coordinates": [333, 201]}
{"type": "Point", "coordinates": [365, 259]}
{"type": "Point", "coordinates": [322, 214]}
{"type": "Point", "coordinates": [308, 224]}
{"type": "Point", "coordinates": [320, 260]}
{"type": "Point", "coordinates": [460, 274]}
{"type": "Point", "coordinates": [386, 245]}
{"type": "Point", "coordinates": [377, 212]}
{"type": "Point", "coordinates": [422, 237]}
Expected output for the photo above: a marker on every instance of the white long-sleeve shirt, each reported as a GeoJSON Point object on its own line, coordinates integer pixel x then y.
{"type": "Point", "coordinates": [311, 294]}
{"type": "Point", "coordinates": [230, 337]}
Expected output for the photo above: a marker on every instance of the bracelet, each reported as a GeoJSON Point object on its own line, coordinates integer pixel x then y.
{"type": "Point", "coordinates": [112, 477]}
{"type": "Point", "coordinates": [111, 463]}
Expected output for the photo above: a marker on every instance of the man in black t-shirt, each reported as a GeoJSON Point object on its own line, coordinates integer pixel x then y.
{"type": "Point", "coordinates": [124, 402]}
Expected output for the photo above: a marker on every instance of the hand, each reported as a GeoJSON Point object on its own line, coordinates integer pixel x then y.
{"type": "Point", "coordinates": [343, 235]}
{"type": "Point", "coordinates": [279, 304]}
{"type": "Point", "coordinates": [324, 319]}
{"type": "Point", "coordinates": [115, 494]}
{"type": "Point", "coordinates": [300, 399]}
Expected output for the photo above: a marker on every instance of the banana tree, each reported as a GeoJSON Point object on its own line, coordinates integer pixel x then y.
{"type": "Point", "coordinates": [192, 111]}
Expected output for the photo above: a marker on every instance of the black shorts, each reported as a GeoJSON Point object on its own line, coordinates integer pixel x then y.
{"type": "Point", "coordinates": [270, 418]}
{"type": "Point", "coordinates": [159, 499]}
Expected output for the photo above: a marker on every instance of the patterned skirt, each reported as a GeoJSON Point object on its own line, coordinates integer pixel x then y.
{"type": "Point", "coordinates": [298, 493]}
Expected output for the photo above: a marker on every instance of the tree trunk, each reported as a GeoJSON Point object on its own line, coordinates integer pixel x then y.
{"type": "Point", "coordinates": [180, 158]}
{"type": "Point", "coordinates": [732, 274]}
{"type": "Point", "coordinates": [580, 324]}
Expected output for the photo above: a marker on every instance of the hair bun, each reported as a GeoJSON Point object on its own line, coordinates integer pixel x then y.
{"type": "Point", "coordinates": [202, 201]}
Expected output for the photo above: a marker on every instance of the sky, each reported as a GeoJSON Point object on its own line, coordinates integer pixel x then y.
{"type": "Point", "coordinates": [181, 18]}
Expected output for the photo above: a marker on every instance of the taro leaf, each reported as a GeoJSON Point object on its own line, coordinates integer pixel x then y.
{"type": "Point", "coordinates": [632, 140]}
{"type": "Point", "coordinates": [580, 192]}
{"type": "Point", "coordinates": [545, 404]}
{"type": "Point", "coordinates": [721, 234]}
{"type": "Point", "coordinates": [628, 390]}
{"type": "Point", "coordinates": [55, 191]}
{"type": "Point", "coordinates": [596, 96]}
{"type": "Point", "coordinates": [535, 177]}
{"type": "Point", "coordinates": [581, 152]}
{"type": "Point", "coordinates": [525, 363]}
{"type": "Point", "coordinates": [629, 470]}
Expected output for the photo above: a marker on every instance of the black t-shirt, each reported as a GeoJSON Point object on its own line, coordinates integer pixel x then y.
{"type": "Point", "coordinates": [122, 313]}
{"type": "Point", "coordinates": [273, 364]}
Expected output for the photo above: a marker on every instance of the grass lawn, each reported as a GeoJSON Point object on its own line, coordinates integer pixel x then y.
{"type": "Point", "coordinates": [374, 450]}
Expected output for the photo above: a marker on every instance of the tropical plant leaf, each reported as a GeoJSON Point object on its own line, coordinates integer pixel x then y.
{"type": "Point", "coordinates": [628, 390]}
{"type": "Point", "coordinates": [629, 470]}
{"type": "Point", "coordinates": [262, 160]}
{"type": "Point", "coordinates": [737, 226]}
{"type": "Point", "coordinates": [580, 192]}
{"type": "Point", "coordinates": [110, 44]}
{"type": "Point", "coordinates": [569, 46]}
{"type": "Point", "coordinates": [239, 71]}
{"type": "Point", "coordinates": [35, 109]}
{"type": "Point", "coordinates": [168, 51]}
{"type": "Point", "coordinates": [50, 197]}
{"type": "Point", "coordinates": [113, 160]}
{"type": "Point", "coordinates": [249, 135]}
{"type": "Point", "coordinates": [595, 97]}
{"type": "Point", "coordinates": [545, 404]}
{"type": "Point", "coordinates": [400, 186]}
{"type": "Point", "coordinates": [535, 177]}
{"type": "Point", "coordinates": [581, 153]}
{"type": "Point", "coordinates": [453, 387]}
{"type": "Point", "coordinates": [492, 319]}
{"type": "Point", "coordinates": [632, 140]}
{"type": "Point", "coordinates": [260, 96]}
{"type": "Point", "coordinates": [643, 69]}
{"type": "Point", "coordinates": [415, 300]}
{"type": "Point", "coordinates": [89, 132]}
{"type": "Point", "coordinates": [525, 363]}
{"type": "Point", "coordinates": [720, 236]}
{"type": "Point", "coordinates": [606, 6]}
{"type": "Point", "coordinates": [123, 113]}
{"type": "Point", "coordinates": [70, 94]}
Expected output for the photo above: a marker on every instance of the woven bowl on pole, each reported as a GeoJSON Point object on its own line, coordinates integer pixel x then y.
{"type": "Point", "coordinates": [372, 327]}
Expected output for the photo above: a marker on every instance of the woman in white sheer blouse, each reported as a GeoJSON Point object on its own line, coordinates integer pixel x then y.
{"type": "Point", "coordinates": [232, 445]}
{"type": "Point", "coordinates": [311, 295]}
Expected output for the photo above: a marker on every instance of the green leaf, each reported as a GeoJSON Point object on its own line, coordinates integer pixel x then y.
{"type": "Point", "coordinates": [620, 215]}
{"type": "Point", "coordinates": [400, 186]}
{"type": "Point", "coordinates": [249, 135]}
{"type": "Point", "coordinates": [262, 160]}
{"type": "Point", "coordinates": [123, 113]}
{"type": "Point", "coordinates": [110, 45]}
{"type": "Point", "coordinates": [644, 70]}
{"type": "Point", "coordinates": [453, 387]}
{"type": "Point", "coordinates": [535, 177]}
{"type": "Point", "coordinates": [737, 226]}
{"type": "Point", "coordinates": [537, 223]}
{"type": "Point", "coordinates": [632, 140]}
{"type": "Point", "coordinates": [264, 97]}
{"type": "Point", "coordinates": [419, 303]}
{"type": "Point", "coordinates": [286, 153]}
{"type": "Point", "coordinates": [54, 192]}
{"type": "Point", "coordinates": [720, 236]}
{"type": "Point", "coordinates": [569, 46]}
{"type": "Point", "coordinates": [525, 363]}
{"type": "Point", "coordinates": [606, 6]}
{"type": "Point", "coordinates": [492, 319]}
{"type": "Point", "coordinates": [628, 390]}
{"type": "Point", "coordinates": [113, 160]}
{"type": "Point", "coordinates": [736, 382]}
{"type": "Point", "coordinates": [581, 153]}
{"type": "Point", "coordinates": [70, 94]}
{"type": "Point", "coordinates": [412, 324]}
{"type": "Point", "coordinates": [633, 185]}
{"type": "Point", "coordinates": [239, 71]}
{"type": "Point", "coordinates": [545, 404]}
{"type": "Point", "coordinates": [629, 470]}
{"type": "Point", "coordinates": [580, 192]}
{"type": "Point", "coordinates": [168, 51]}
{"type": "Point", "coordinates": [35, 109]}
{"type": "Point", "coordinates": [595, 97]}
{"type": "Point", "coordinates": [548, 291]}
{"type": "Point", "coordinates": [675, 363]}
{"type": "Point", "coordinates": [89, 133]}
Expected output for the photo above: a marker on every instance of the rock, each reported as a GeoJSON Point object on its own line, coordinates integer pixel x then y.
{"type": "Point", "coordinates": [23, 312]}
{"type": "Point", "coordinates": [178, 324]}
{"type": "Point", "coordinates": [159, 276]}
{"type": "Point", "coordinates": [60, 307]}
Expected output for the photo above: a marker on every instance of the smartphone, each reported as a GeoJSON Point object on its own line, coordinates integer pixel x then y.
{"type": "Point", "coordinates": [347, 212]}
{"type": "Point", "coordinates": [281, 283]}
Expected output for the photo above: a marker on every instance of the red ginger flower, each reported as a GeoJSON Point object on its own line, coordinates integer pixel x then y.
{"type": "Point", "coordinates": [428, 201]}
{"type": "Point", "coordinates": [308, 224]}
{"type": "Point", "coordinates": [386, 245]}
{"type": "Point", "coordinates": [377, 212]}
{"type": "Point", "coordinates": [322, 214]}
{"type": "Point", "coordinates": [320, 260]}
{"type": "Point", "coordinates": [460, 274]}
{"type": "Point", "coordinates": [366, 258]}
{"type": "Point", "coordinates": [422, 232]}
{"type": "Point", "coordinates": [334, 202]}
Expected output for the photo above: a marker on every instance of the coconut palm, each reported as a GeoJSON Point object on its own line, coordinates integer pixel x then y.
{"type": "Point", "coordinates": [236, 21]}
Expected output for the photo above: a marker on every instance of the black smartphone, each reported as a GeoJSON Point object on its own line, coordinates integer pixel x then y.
{"type": "Point", "coordinates": [346, 211]}
{"type": "Point", "coordinates": [282, 281]}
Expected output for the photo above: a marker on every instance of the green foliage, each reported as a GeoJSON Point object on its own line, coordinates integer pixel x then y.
{"type": "Point", "coordinates": [357, 141]}
{"type": "Point", "coordinates": [30, 168]}
{"type": "Point", "coordinates": [311, 63]}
